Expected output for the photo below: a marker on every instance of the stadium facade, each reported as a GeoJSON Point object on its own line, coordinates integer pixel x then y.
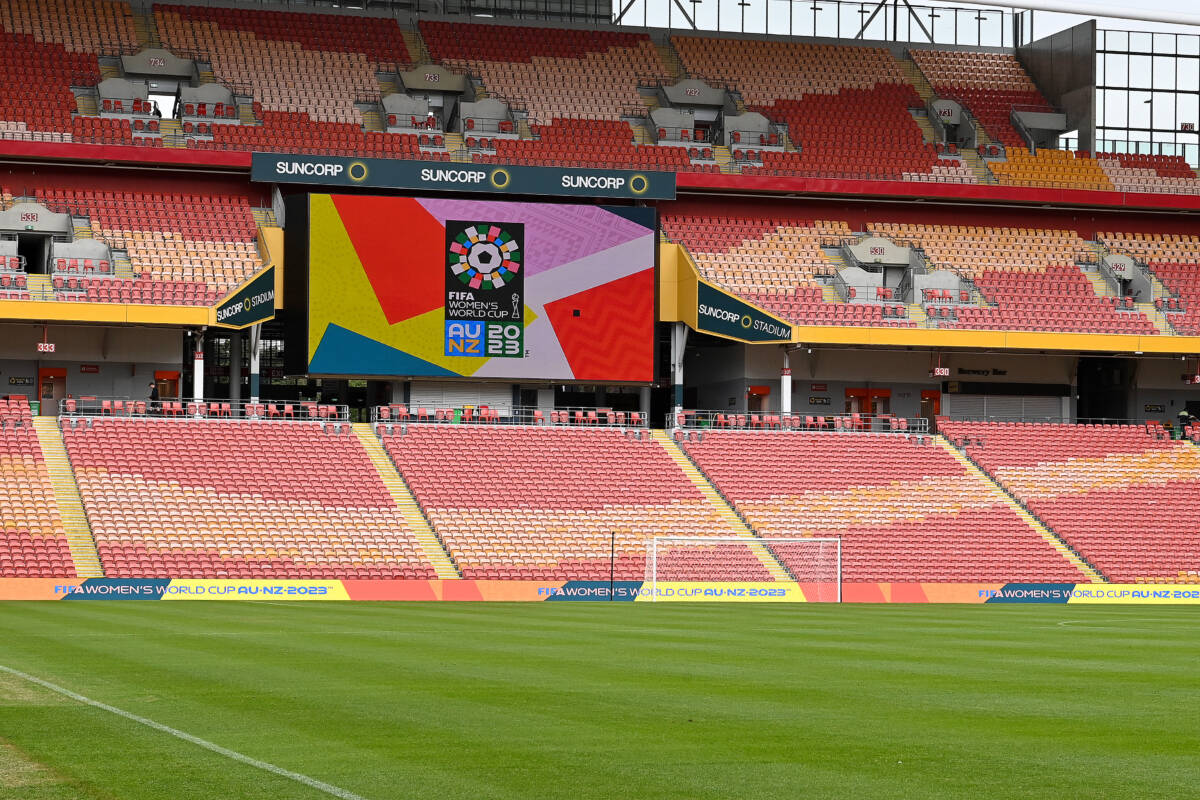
{"type": "Point", "coordinates": [507, 294]}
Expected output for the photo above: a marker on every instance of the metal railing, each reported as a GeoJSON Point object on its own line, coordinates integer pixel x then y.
{"type": "Point", "coordinates": [573, 416]}
{"type": "Point", "coordinates": [171, 408]}
{"type": "Point", "coordinates": [1160, 427]}
{"type": "Point", "coordinates": [1014, 118]}
{"type": "Point", "coordinates": [484, 127]}
{"type": "Point", "coordinates": [1188, 151]}
{"type": "Point", "coordinates": [763, 420]}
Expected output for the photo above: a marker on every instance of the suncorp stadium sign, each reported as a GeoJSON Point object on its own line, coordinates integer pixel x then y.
{"type": "Point", "coordinates": [254, 302]}
{"type": "Point", "coordinates": [724, 315]}
{"type": "Point", "coordinates": [381, 173]}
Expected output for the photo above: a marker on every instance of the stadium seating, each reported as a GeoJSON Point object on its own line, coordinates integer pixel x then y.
{"type": "Point", "coordinates": [1056, 168]}
{"type": "Point", "coordinates": [549, 72]}
{"type": "Point", "coordinates": [904, 508]}
{"type": "Point", "coordinates": [988, 84]}
{"type": "Point", "coordinates": [315, 64]}
{"type": "Point", "coordinates": [589, 143]}
{"type": "Point", "coordinates": [1145, 173]}
{"type": "Point", "coordinates": [237, 499]}
{"type": "Point", "coordinates": [289, 132]}
{"type": "Point", "coordinates": [1175, 260]}
{"type": "Point", "coordinates": [504, 506]}
{"type": "Point", "coordinates": [33, 543]}
{"type": "Point", "coordinates": [1029, 278]}
{"type": "Point", "coordinates": [80, 26]}
{"type": "Point", "coordinates": [814, 89]}
{"type": "Point", "coordinates": [1123, 497]}
{"type": "Point", "coordinates": [775, 263]}
{"type": "Point", "coordinates": [186, 249]}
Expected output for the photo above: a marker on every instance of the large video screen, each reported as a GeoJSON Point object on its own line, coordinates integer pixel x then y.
{"type": "Point", "coordinates": [400, 286]}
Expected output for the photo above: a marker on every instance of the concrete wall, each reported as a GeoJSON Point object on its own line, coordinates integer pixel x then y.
{"type": "Point", "coordinates": [721, 375]}
{"type": "Point", "coordinates": [125, 358]}
{"type": "Point", "coordinates": [1064, 67]}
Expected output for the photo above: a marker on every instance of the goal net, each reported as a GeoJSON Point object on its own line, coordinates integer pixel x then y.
{"type": "Point", "coordinates": [744, 568]}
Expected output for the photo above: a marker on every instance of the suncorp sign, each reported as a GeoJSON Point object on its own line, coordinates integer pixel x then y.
{"type": "Point", "coordinates": [253, 303]}
{"type": "Point", "coordinates": [311, 169]}
{"type": "Point", "coordinates": [438, 176]}
{"type": "Point", "coordinates": [723, 314]}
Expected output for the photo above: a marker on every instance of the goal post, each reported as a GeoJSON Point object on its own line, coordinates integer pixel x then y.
{"type": "Point", "coordinates": [798, 569]}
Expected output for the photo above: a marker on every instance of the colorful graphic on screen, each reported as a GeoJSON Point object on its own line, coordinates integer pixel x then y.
{"type": "Point", "coordinates": [485, 301]}
{"type": "Point", "coordinates": [401, 286]}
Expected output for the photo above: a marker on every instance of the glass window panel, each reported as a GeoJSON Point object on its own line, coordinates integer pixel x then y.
{"type": "Point", "coordinates": [826, 18]}
{"type": "Point", "coordinates": [1164, 43]}
{"type": "Point", "coordinates": [878, 28]}
{"type": "Point", "coordinates": [1139, 109]}
{"type": "Point", "coordinates": [1139, 42]}
{"type": "Point", "coordinates": [1188, 77]}
{"type": "Point", "coordinates": [777, 17]}
{"type": "Point", "coordinates": [1116, 40]}
{"type": "Point", "coordinates": [1163, 114]}
{"type": "Point", "coordinates": [1164, 72]}
{"type": "Point", "coordinates": [754, 16]}
{"type": "Point", "coordinates": [941, 24]}
{"type": "Point", "coordinates": [1188, 45]}
{"type": "Point", "coordinates": [1139, 72]}
{"type": "Point", "coordinates": [1116, 69]}
{"type": "Point", "coordinates": [1115, 108]}
{"type": "Point", "coordinates": [1189, 110]}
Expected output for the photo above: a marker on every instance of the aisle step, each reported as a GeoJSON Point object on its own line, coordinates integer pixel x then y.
{"type": "Point", "coordinates": [431, 546]}
{"type": "Point", "coordinates": [725, 511]}
{"type": "Point", "coordinates": [66, 497]}
{"type": "Point", "coordinates": [1065, 550]}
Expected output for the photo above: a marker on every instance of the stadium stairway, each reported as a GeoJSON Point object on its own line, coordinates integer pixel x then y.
{"type": "Point", "coordinates": [172, 133]}
{"type": "Point", "coordinates": [85, 101]}
{"type": "Point", "coordinates": [371, 117]}
{"type": "Point", "coordinates": [670, 59]}
{"type": "Point", "coordinates": [1091, 573]}
{"type": "Point", "coordinates": [976, 165]}
{"type": "Point", "coordinates": [146, 30]}
{"type": "Point", "coordinates": [431, 545]}
{"type": "Point", "coordinates": [928, 134]}
{"type": "Point", "coordinates": [38, 286]}
{"type": "Point", "coordinates": [1102, 287]}
{"type": "Point", "coordinates": [417, 50]}
{"type": "Point", "coordinates": [456, 147]}
{"type": "Point", "coordinates": [773, 566]}
{"type": "Point", "coordinates": [912, 73]}
{"type": "Point", "coordinates": [66, 495]}
{"type": "Point", "coordinates": [386, 83]}
{"type": "Point", "coordinates": [110, 67]}
{"type": "Point", "coordinates": [724, 159]}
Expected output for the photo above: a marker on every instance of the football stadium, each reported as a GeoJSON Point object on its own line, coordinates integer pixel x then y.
{"type": "Point", "coordinates": [599, 399]}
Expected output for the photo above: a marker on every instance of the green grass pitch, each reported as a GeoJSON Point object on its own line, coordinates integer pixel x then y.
{"type": "Point", "coordinates": [596, 700]}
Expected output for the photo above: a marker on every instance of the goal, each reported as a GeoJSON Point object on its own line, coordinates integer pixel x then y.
{"type": "Point", "coordinates": [744, 567]}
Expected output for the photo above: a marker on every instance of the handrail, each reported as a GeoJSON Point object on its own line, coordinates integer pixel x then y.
{"type": "Point", "coordinates": [210, 408]}
{"type": "Point", "coordinates": [1021, 128]}
{"type": "Point", "coordinates": [796, 421]}
{"type": "Point", "coordinates": [470, 414]}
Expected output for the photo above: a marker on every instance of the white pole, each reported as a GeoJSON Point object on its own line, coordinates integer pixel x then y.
{"type": "Point", "coordinates": [198, 366]}
{"type": "Point", "coordinates": [785, 384]}
{"type": "Point", "coordinates": [654, 570]}
{"type": "Point", "coordinates": [839, 571]}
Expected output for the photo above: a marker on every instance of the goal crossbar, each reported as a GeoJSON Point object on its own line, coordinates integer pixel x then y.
{"type": "Point", "coordinates": [753, 543]}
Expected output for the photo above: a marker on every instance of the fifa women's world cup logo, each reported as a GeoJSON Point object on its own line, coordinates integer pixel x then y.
{"type": "Point", "coordinates": [485, 289]}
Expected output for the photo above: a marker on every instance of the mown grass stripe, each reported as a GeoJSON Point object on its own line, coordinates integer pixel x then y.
{"type": "Point", "coordinates": [233, 755]}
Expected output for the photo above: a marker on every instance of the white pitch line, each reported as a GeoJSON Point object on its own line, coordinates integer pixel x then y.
{"type": "Point", "coordinates": [312, 783]}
